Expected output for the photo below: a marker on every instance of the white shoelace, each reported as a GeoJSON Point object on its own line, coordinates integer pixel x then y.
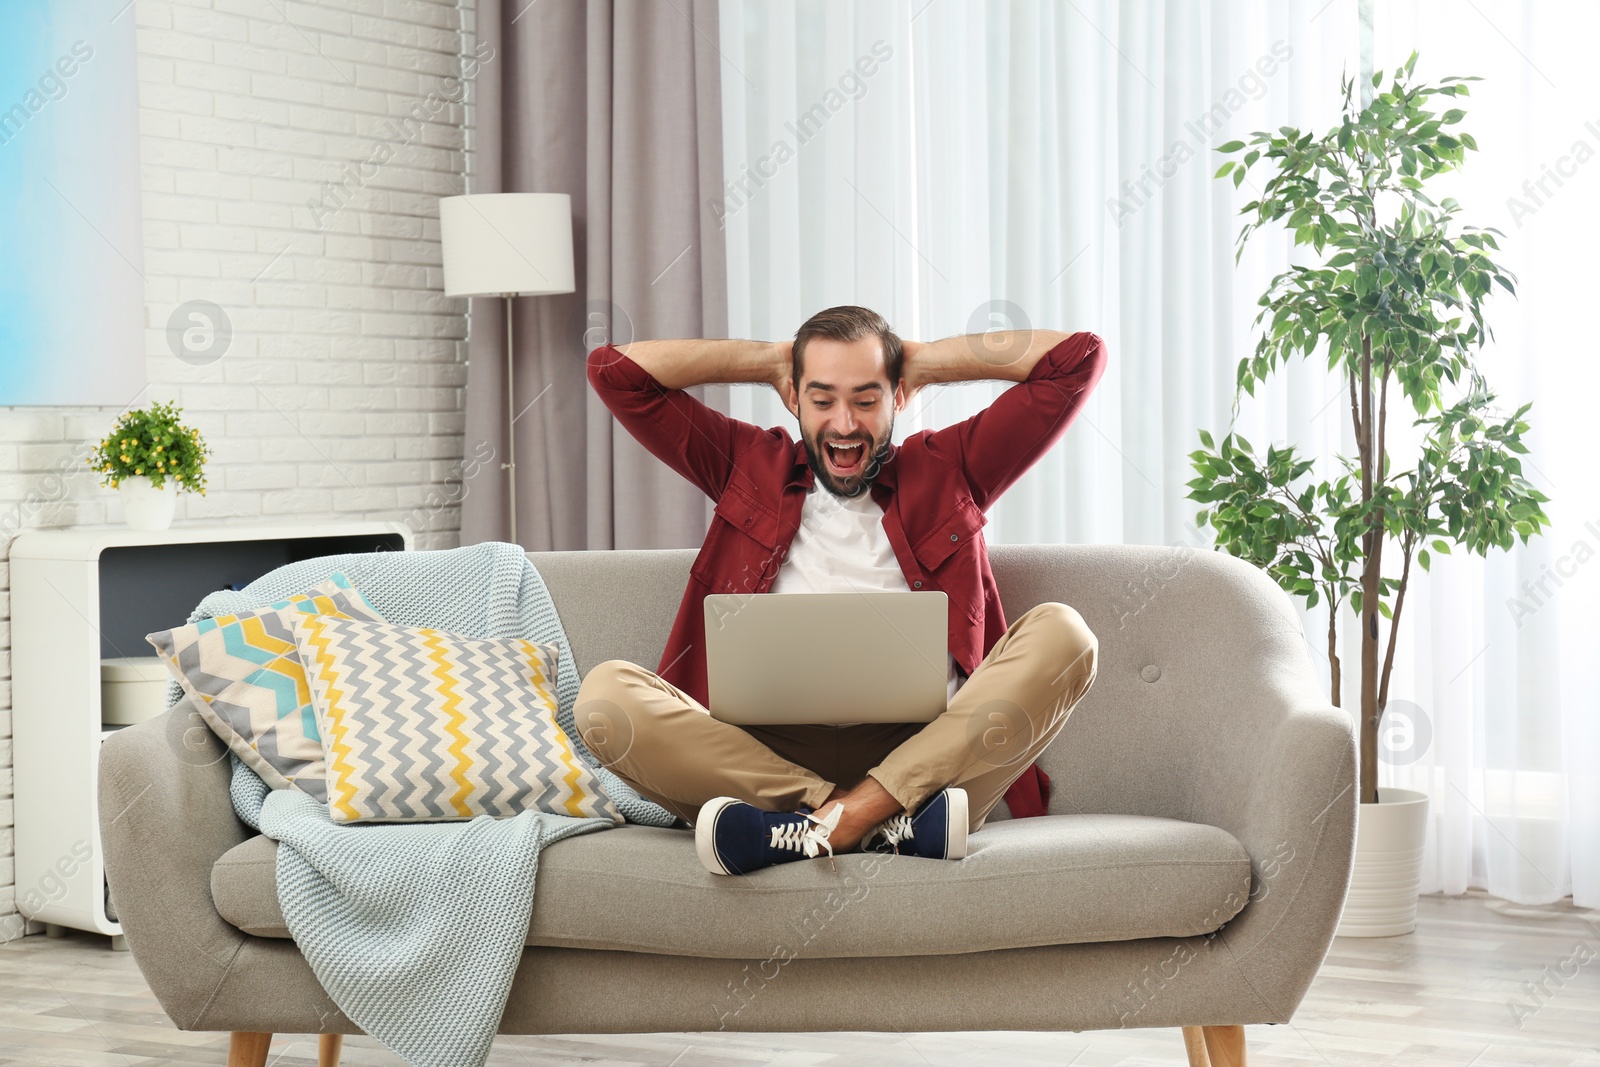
{"type": "Point", "coordinates": [895, 829]}
{"type": "Point", "coordinates": [798, 837]}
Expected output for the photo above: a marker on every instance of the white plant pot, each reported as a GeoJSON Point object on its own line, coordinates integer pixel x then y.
{"type": "Point", "coordinates": [144, 507]}
{"type": "Point", "coordinates": [1382, 901]}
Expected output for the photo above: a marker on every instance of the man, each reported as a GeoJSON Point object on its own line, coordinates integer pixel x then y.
{"type": "Point", "coordinates": [845, 509]}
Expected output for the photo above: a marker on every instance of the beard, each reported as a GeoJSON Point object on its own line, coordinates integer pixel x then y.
{"type": "Point", "coordinates": [852, 485]}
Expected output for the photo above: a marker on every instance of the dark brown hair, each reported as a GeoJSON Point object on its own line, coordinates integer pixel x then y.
{"type": "Point", "coordinates": [849, 323]}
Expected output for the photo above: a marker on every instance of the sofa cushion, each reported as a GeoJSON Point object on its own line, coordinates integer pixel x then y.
{"type": "Point", "coordinates": [243, 674]}
{"type": "Point", "coordinates": [423, 725]}
{"type": "Point", "coordinates": [1051, 880]}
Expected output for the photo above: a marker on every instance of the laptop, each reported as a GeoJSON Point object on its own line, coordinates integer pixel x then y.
{"type": "Point", "coordinates": [785, 658]}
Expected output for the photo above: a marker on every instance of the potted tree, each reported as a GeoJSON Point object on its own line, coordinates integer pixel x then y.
{"type": "Point", "coordinates": [147, 457]}
{"type": "Point", "coordinates": [1397, 297]}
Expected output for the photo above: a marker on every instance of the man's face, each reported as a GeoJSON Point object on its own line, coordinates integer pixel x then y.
{"type": "Point", "coordinates": [846, 411]}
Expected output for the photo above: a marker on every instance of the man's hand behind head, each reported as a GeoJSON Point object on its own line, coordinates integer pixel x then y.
{"type": "Point", "coordinates": [910, 380]}
{"type": "Point", "coordinates": [783, 373]}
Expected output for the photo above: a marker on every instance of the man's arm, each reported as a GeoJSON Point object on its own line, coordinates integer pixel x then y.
{"type": "Point", "coordinates": [642, 384]}
{"type": "Point", "coordinates": [1055, 373]}
{"type": "Point", "coordinates": [1009, 355]}
{"type": "Point", "coordinates": [682, 364]}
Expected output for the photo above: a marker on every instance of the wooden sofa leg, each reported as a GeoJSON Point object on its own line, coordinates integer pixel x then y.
{"type": "Point", "coordinates": [328, 1048]}
{"type": "Point", "coordinates": [1194, 1043]}
{"type": "Point", "coordinates": [1225, 1044]}
{"type": "Point", "coordinates": [248, 1049]}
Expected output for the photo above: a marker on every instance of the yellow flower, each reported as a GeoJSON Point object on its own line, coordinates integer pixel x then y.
{"type": "Point", "coordinates": [138, 470]}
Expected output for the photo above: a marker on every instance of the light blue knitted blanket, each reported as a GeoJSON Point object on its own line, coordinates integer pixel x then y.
{"type": "Point", "coordinates": [415, 929]}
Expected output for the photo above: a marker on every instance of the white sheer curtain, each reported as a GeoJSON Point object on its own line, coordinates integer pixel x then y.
{"type": "Point", "coordinates": [1501, 654]}
{"type": "Point", "coordinates": [1029, 163]}
{"type": "Point", "coordinates": [1050, 163]}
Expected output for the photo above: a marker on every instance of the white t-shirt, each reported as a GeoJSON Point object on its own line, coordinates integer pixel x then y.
{"type": "Point", "coordinates": [841, 548]}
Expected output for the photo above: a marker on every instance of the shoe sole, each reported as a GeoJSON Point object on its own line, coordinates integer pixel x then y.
{"type": "Point", "coordinates": [705, 834]}
{"type": "Point", "coordinates": [956, 830]}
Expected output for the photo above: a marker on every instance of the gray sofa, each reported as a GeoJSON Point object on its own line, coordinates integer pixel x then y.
{"type": "Point", "coordinates": [1191, 871]}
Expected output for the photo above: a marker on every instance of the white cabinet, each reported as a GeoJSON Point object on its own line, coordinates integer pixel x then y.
{"type": "Point", "coordinates": [80, 595]}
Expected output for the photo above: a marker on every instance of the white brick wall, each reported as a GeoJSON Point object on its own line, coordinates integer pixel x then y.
{"type": "Point", "coordinates": [341, 390]}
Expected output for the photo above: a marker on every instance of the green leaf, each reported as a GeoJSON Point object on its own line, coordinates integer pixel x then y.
{"type": "Point", "coordinates": [1224, 169]}
{"type": "Point", "coordinates": [1366, 279]}
{"type": "Point", "coordinates": [1231, 146]}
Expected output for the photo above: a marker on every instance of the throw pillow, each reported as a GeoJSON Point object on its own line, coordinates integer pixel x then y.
{"type": "Point", "coordinates": [243, 672]}
{"type": "Point", "coordinates": [423, 724]}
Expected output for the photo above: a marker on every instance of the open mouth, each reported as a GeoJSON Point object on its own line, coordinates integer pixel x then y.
{"type": "Point", "coordinates": [845, 457]}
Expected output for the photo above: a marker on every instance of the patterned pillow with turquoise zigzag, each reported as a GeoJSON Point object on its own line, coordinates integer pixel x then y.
{"type": "Point", "coordinates": [243, 673]}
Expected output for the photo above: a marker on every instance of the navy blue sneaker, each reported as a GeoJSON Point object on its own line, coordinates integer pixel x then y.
{"type": "Point", "coordinates": [938, 831]}
{"type": "Point", "coordinates": [732, 837]}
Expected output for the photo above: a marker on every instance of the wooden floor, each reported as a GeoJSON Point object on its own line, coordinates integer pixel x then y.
{"type": "Point", "coordinates": [1462, 991]}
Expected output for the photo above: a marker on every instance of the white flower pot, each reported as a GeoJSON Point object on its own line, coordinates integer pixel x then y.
{"type": "Point", "coordinates": [1382, 901]}
{"type": "Point", "coordinates": [144, 507]}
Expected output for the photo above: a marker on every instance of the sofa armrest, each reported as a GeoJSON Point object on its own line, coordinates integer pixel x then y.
{"type": "Point", "coordinates": [166, 815]}
{"type": "Point", "coordinates": [1281, 776]}
{"type": "Point", "coordinates": [1208, 708]}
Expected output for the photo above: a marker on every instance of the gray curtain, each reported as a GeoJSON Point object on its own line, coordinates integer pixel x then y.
{"type": "Point", "coordinates": [619, 105]}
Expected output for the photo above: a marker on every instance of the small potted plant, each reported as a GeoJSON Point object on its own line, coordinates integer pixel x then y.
{"type": "Point", "coordinates": [1398, 300]}
{"type": "Point", "coordinates": [148, 457]}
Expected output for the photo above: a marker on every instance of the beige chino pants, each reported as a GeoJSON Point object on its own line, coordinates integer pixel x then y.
{"type": "Point", "coordinates": [666, 745]}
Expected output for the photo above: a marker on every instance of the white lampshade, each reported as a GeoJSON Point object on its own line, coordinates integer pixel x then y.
{"type": "Point", "coordinates": [497, 243]}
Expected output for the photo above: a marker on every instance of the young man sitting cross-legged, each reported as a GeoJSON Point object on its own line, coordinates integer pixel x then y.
{"type": "Point", "coordinates": [844, 509]}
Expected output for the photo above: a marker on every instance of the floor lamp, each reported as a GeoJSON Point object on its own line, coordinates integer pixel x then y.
{"type": "Point", "coordinates": [507, 245]}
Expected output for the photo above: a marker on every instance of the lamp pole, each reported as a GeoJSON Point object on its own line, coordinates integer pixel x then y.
{"type": "Point", "coordinates": [510, 466]}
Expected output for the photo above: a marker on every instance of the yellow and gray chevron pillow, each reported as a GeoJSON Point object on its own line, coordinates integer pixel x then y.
{"type": "Point", "coordinates": [243, 673]}
{"type": "Point", "coordinates": [421, 724]}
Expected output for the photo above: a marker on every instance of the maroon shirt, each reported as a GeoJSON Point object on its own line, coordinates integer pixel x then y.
{"type": "Point", "coordinates": [934, 490]}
